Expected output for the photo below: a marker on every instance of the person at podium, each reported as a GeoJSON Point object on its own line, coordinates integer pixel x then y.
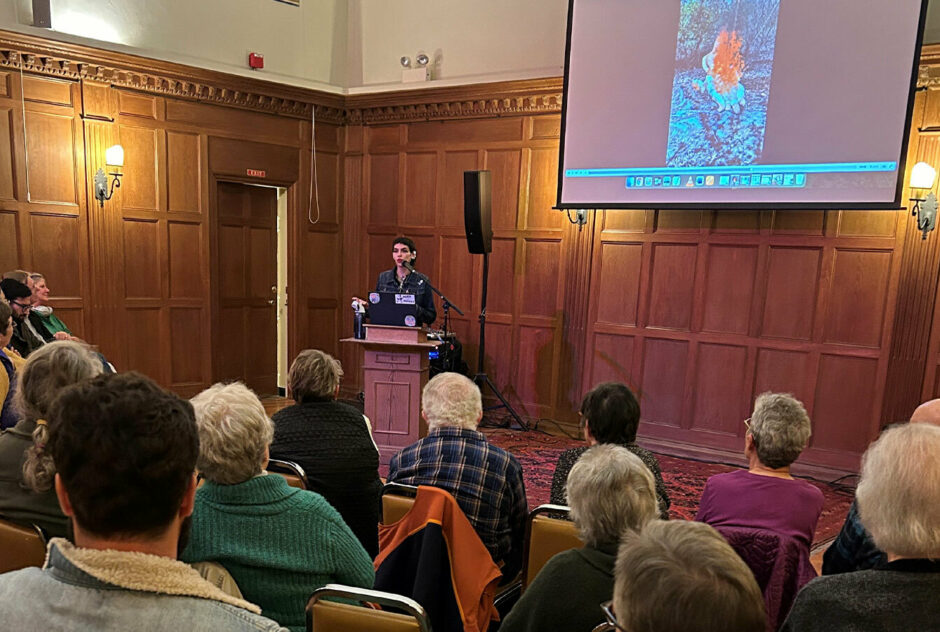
{"type": "Point", "coordinates": [404, 279]}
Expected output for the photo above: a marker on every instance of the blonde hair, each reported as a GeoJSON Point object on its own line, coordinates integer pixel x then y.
{"type": "Point", "coordinates": [899, 491]}
{"type": "Point", "coordinates": [47, 371]}
{"type": "Point", "coordinates": [451, 399]}
{"type": "Point", "coordinates": [234, 433]}
{"type": "Point", "coordinates": [677, 575]}
{"type": "Point", "coordinates": [610, 491]}
{"type": "Point", "coordinates": [314, 375]}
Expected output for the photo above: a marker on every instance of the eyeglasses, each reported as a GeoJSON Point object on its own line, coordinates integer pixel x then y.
{"type": "Point", "coordinates": [747, 424]}
{"type": "Point", "coordinates": [608, 608]}
{"type": "Point", "coordinates": [20, 305]}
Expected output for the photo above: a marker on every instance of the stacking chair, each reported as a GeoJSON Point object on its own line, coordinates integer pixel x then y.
{"type": "Point", "coordinates": [330, 616]}
{"type": "Point", "coordinates": [397, 500]}
{"type": "Point", "coordinates": [295, 475]}
{"type": "Point", "coordinates": [20, 547]}
{"type": "Point", "coordinates": [549, 531]}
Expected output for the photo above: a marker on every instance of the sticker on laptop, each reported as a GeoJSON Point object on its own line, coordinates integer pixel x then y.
{"type": "Point", "coordinates": [404, 299]}
{"type": "Point", "coordinates": [410, 321]}
{"type": "Point", "coordinates": [374, 297]}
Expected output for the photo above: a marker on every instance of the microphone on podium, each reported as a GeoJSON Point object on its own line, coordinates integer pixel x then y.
{"type": "Point", "coordinates": [408, 266]}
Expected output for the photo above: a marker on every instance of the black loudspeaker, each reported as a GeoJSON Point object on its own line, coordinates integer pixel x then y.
{"type": "Point", "coordinates": [42, 14]}
{"type": "Point", "coordinates": [477, 207]}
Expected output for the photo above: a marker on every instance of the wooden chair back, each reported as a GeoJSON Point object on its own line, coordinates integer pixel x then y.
{"type": "Point", "coordinates": [330, 616]}
{"type": "Point", "coordinates": [20, 547]}
{"type": "Point", "coordinates": [549, 531]}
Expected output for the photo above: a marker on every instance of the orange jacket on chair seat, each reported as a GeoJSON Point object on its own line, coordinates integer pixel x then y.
{"type": "Point", "coordinates": [434, 556]}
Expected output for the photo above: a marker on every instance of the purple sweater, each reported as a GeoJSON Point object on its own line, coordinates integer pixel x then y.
{"type": "Point", "coordinates": [742, 499]}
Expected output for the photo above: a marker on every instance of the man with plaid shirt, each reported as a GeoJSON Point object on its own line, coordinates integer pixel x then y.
{"type": "Point", "coordinates": [485, 480]}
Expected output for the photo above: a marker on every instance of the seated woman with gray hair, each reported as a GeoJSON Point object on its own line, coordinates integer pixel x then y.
{"type": "Point", "coordinates": [765, 496]}
{"type": "Point", "coordinates": [611, 492]}
{"type": "Point", "coordinates": [899, 504]}
{"type": "Point", "coordinates": [279, 543]}
{"type": "Point", "coordinates": [332, 442]}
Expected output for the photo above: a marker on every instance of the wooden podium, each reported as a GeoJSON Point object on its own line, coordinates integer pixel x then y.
{"type": "Point", "coordinates": [394, 370]}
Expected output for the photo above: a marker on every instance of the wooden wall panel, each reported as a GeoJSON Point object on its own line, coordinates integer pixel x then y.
{"type": "Point", "coordinates": [420, 189]}
{"type": "Point", "coordinates": [504, 165]}
{"type": "Point", "coordinates": [727, 305]}
{"type": "Point", "coordinates": [535, 369]}
{"type": "Point", "coordinates": [141, 146]}
{"type": "Point", "coordinates": [327, 188]}
{"type": "Point", "coordinates": [665, 364]}
{"type": "Point", "coordinates": [142, 273]}
{"type": "Point", "coordinates": [791, 289]}
{"type": "Point", "coordinates": [383, 190]}
{"type": "Point", "coordinates": [719, 406]}
{"type": "Point", "coordinates": [9, 248]}
{"type": "Point", "coordinates": [541, 270]}
{"type": "Point", "coordinates": [57, 245]}
{"type": "Point", "coordinates": [671, 284]}
{"type": "Point", "coordinates": [501, 294]}
{"type": "Point", "coordinates": [184, 171]}
{"type": "Point", "coordinates": [612, 360]}
{"type": "Point", "coordinates": [455, 163]}
{"type": "Point", "coordinates": [185, 337]}
{"type": "Point", "coordinates": [783, 372]}
{"type": "Point", "coordinates": [50, 142]}
{"type": "Point", "coordinates": [146, 354]}
{"type": "Point", "coordinates": [7, 153]}
{"type": "Point", "coordinates": [845, 390]}
{"type": "Point", "coordinates": [184, 241]}
{"type": "Point", "coordinates": [859, 278]}
{"type": "Point", "coordinates": [543, 173]}
{"type": "Point", "coordinates": [618, 288]}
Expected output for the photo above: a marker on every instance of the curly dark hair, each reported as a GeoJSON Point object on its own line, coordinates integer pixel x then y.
{"type": "Point", "coordinates": [125, 450]}
{"type": "Point", "coordinates": [611, 413]}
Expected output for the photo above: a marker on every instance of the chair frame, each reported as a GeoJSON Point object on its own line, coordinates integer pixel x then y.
{"type": "Point", "coordinates": [397, 489]}
{"type": "Point", "coordinates": [407, 604]}
{"type": "Point", "coordinates": [280, 466]}
{"type": "Point", "coordinates": [538, 511]}
{"type": "Point", "coordinates": [32, 527]}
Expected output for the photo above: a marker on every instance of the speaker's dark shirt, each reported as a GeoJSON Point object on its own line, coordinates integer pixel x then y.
{"type": "Point", "coordinates": [415, 283]}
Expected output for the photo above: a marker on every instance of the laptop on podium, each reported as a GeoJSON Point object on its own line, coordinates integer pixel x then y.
{"type": "Point", "coordinates": [393, 308]}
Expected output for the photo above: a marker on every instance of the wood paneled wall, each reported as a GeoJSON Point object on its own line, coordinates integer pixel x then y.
{"type": "Point", "coordinates": [697, 311]}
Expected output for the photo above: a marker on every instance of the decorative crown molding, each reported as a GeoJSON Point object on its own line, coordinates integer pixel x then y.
{"type": "Point", "coordinates": [76, 62]}
{"type": "Point", "coordinates": [69, 61]}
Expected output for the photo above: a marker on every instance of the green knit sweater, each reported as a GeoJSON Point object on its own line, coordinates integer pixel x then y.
{"type": "Point", "coordinates": [278, 542]}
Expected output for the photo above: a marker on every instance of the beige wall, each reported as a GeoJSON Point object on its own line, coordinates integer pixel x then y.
{"type": "Point", "coordinates": [303, 46]}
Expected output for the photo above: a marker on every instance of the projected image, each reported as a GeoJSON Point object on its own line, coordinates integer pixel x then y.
{"type": "Point", "coordinates": [724, 62]}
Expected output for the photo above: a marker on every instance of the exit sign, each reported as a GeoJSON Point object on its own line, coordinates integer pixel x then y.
{"type": "Point", "coordinates": [256, 173]}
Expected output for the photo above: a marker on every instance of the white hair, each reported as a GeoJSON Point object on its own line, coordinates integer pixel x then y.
{"type": "Point", "coordinates": [610, 491]}
{"type": "Point", "coordinates": [234, 433]}
{"type": "Point", "coordinates": [451, 399]}
{"type": "Point", "coordinates": [899, 491]}
{"type": "Point", "coordinates": [780, 428]}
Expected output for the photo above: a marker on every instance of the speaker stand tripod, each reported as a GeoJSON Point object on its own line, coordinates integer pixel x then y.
{"type": "Point", "coordinates": [481, 379]}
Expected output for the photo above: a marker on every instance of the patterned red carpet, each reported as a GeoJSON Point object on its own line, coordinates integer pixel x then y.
{"type": "Point", "coordinates": [685, 479]}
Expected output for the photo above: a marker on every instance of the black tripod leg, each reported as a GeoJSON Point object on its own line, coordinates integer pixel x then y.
{"type": "Point", "coordinates": [483, 378]}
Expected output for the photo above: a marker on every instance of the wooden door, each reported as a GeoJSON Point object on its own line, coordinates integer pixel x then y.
{"type": "Point", "coordinates": [246, 345]}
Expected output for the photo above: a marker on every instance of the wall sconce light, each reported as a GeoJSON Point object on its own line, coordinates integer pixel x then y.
{"type": "Point", "coordinates": [925, 208]}
{"type": "Point", "coordinates": [113, 157]}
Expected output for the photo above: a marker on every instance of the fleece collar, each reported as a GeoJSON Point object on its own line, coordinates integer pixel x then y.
{"type": "Point", "coordinates": [143, 572]}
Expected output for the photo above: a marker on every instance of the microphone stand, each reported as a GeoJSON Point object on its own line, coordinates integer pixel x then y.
{"type": "Point", "coordinates": [445, 302]}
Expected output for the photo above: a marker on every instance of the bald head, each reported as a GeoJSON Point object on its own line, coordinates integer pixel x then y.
{"type": "Point", "coordinates": [928, 412]}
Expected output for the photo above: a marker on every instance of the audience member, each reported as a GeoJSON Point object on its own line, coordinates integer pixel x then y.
{"type": "Point", "coordinates": [678, 576]}
{"type": "Point", "coordinates": [42, 311]}
{"type": "Point", "coordinates": [25, 339]}
{"type": "Point", "coordinates": [609, 414]}
{"type": "Point", "coordinates": [125, 452]}
{"type": "Point", "coordinates": [332, 442]}
{"type": "Point", "coordinates": [11, 362]}
{"type": "Point", "coordinates": [766, 496]}
{"type": "Point", "coordinates": [610, 491]}
{"type": "Point", "coordinates": [485, 480]}
{"type": "Point", "coordinates": [899, 504]}
{"type": "Point", "coordinates": [279, 543]}
{"type": "Point", "coordinates": [26, 464]}
{"type": "Point", "coordinates": [853, 549]}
